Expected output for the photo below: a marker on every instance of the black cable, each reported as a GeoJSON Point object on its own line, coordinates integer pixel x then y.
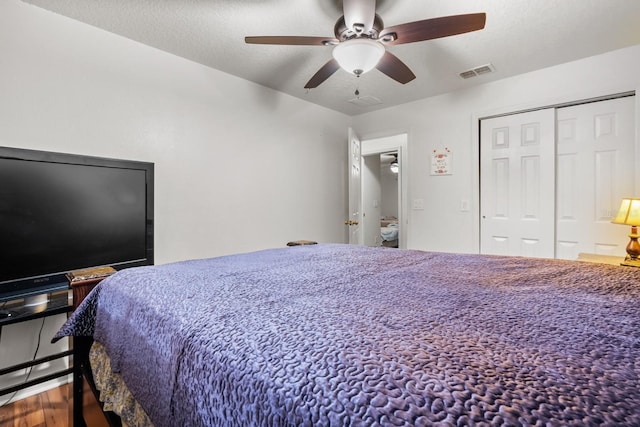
{"type": "Point", "coordinates": [35, 355]}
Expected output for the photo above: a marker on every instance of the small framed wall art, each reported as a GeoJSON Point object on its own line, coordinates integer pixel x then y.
{"type": "Point", "coordinates": [441, 162]}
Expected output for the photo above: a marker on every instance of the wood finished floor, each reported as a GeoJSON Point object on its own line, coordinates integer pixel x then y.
{"type": "Point", "coordinates": [51, 409]}
{"type": "Point", "coordinates": [47, 409]}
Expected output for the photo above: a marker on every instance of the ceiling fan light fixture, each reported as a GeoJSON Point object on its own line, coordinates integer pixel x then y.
{"type": "Point", "coordinates": [357, 56]}
{"type": "Point", "coordinates": [393, 166]}
{"type": "Point", "coordinates": [389, 38]}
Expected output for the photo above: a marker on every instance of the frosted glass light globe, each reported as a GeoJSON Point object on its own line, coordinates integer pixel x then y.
{"type": "Point", "coordinates": [358, 56]}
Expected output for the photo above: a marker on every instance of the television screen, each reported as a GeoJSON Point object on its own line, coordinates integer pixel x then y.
{"type": "Point", "coordinates": [61, 212]}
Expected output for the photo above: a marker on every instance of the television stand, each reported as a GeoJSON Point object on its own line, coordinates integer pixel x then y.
{"type": "Point", "coordinates": [21, 310]}
{"type": "Point", "coordinates": [34, 307]}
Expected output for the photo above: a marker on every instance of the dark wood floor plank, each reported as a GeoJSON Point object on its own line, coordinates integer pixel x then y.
{"type": "Point", "coordinates": [55, 404]}
{"type": "Point", "coordinates": [50, 409]}
{"type": "Point", "coordinates": [28, 412]}
{"type": "Point", "coordinates": [47, 409]}
{"type": "Point", "coordinates": [6, 414]}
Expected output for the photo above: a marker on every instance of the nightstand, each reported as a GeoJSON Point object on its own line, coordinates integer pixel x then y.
{"type": "Point", "coordinates": [602, 259]}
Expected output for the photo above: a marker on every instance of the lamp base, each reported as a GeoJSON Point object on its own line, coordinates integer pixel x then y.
{"type": "Point", "coordinates": [631, 262]}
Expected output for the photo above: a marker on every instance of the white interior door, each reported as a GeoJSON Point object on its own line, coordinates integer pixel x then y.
{"type": "Point", "coordinates": [517, 181]}
{"type": "Point", "coordinates": [595, 148]}
{"type": "Point", "coordinates": [355, 189]}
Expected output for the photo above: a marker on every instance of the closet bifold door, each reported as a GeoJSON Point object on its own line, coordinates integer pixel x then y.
{"type": "Point", "coordinates": [517, 184]}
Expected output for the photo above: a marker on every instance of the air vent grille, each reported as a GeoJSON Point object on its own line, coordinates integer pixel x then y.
{"type": "Point", "coordinates": [483, 69]}
{"type": "Point", "coordinates": [468, 74]}
{"type": "Point", "coordinates": [365, 101]}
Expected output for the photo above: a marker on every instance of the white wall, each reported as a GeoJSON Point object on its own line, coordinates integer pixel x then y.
{"type": "Point", "coordinates": [238, 167]}
{"type": "Point", "coordinates": [451, 120]}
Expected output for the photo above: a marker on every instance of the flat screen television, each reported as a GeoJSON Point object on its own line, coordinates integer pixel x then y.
{"type": "Point", "coordinates": [63, 212]}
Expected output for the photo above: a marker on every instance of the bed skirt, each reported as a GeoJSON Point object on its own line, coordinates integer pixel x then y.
{"type": "Point", "coordinates": [114, 393]}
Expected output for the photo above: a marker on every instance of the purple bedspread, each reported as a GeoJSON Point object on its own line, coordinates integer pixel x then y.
{"type": "Point", "coordinates": [342, 335]}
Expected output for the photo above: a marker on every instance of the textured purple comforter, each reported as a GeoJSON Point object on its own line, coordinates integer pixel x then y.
{"type": "Point", "coordinates": [343, 335]}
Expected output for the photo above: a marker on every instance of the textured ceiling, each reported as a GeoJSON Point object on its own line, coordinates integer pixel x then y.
{"type": "Point", "coordinates": [520, 36]}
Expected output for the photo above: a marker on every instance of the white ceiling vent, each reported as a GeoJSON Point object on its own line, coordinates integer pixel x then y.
{"type": "Point", "coordinates": [365, 101]}
{"type": "Point", "coordinates": [478, 71]}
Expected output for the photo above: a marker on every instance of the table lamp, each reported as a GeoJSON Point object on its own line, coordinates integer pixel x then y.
{"type": "Point", "coordinates": [629, 214]}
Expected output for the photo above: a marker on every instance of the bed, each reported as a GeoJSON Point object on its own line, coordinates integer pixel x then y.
{"type": "Point", "coordinates": [389, 232]}
{"type": "Point", "coordinates": [348, 335]}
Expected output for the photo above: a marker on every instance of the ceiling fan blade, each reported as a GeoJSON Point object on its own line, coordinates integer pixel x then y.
{"type": "Point", "coordinates": [359, 14]}
{"type": "Point", "coordinates": [323, 74]}
{"type": "Point", "coordinates": [434, 28]}
{"type": "Point", "coordinates": [395, 68]}
{"type": "Point", "coordinates": [292, 40]}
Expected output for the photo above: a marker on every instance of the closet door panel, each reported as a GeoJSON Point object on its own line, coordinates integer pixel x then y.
{"type": "Point", "coordinates": [517, 184]}
{"type": "Point", "coordinates": [595, 170]}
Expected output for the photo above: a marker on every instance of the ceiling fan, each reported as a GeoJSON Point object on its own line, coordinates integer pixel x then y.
{"type": "Point", "coordinates": [361, 39]}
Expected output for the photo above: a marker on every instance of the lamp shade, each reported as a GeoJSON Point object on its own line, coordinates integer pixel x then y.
{"type": "Point", "coordinates": [358, 56]}
{"type": "Point", "coordinates": [629, 212]}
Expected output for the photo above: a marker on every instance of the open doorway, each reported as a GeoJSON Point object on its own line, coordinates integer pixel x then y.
{"type": "Point", "coordinates": [383, 193]}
